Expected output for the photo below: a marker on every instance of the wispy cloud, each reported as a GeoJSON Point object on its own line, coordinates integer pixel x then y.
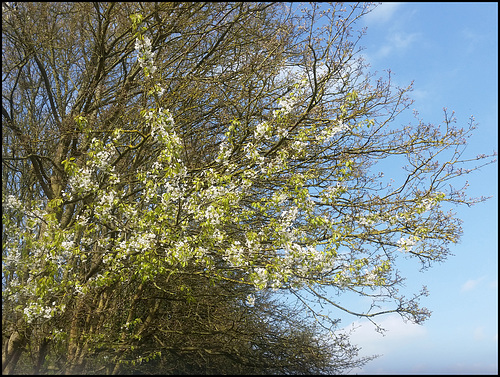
{"type": "Point", "coordinates": [396, 42]}
{"type": "Point", "coordinates": [493, 284]}
{"type": "Point", "coordinates": [391, 20]}
{"type": "Point", "coordinates": [472, 39]}
{"type": "Point", "coordinates": [403, 40]}
{"type": "Point", "coordinates": [382, 13]}
{"type": "Point", "coordinates": [472, 368]}
{"type": "Point", "coordinates": [399, 336]}
{"type": "Point", "coordinates": [398, 332]}
{"type": "Point", "coordinates": [479, 333]}
{"type": "Point", "coordinates": [471, 284]}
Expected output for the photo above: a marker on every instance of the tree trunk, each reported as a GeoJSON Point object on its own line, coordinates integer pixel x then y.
{"type": "Point", "coordinates": [42, 352]}
{"type": "Point", "coordinates": [12, 351]}
{"type": "Point", "coordinates": [74, 338]}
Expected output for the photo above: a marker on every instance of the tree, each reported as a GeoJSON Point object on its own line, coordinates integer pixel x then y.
{"type": "Point", "coordinates": [153, 150]}
{"type": "Point", "coordinates": [201, 329]}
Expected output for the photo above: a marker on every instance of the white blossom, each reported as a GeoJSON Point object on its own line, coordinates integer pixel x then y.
{"type": "Point", "coordinates": [283, 131]}
{"type": "Point", "coordinates": [213, 215]}
{"type": "Point", "coordinates": [330, 132]}
{"type": "Point", "coordinates": [78, 289]}
{"type": "Point", "coordinates": [82, 220]}
{"type": "Point", "coordinates": [218, 236]}
{"type": "Point", "coordinates": [145, 56]}
{"type": "Point", "coordinates": [366, 220]}
{"type": "Point", "coordinates": [107, 200]}
{"type": "Point", "coordinates": [235, 255]}
{"type": "Point", "coordinates": [102, 159]}
{"type": "Point", "coordinates": [261, 130]}
{"type": "Point", "coordinates": [67, 245]}
{"type": "Point", "coordinates": [286, 105]}
{"type": "Point", "coordinates": [299, 146]}
{"type": "Point", "coordinates": [332, 191]}
{"type": "Point", "coordinates": [141, 242]}
{"type": "Point", "coordinates": [428, 203]}
{"type": "Point", "coordinates": [157, 165]}
{"type": "Point", "coordinates": [406, 244]}
{"type": "Point", "coordinates": [159, 89]}
{"type": "Point", "coordinates": [250, 300]}
{"type": "Point", "coordinates": [12, 202]}
{"type": "Point", "coordinates": [162, 123]}
{"type": "Point", "coordinates": [251, 151]}
{"type": "Point", "coordinates": [82, 182]}
{"type": "Point", "coordinates": [287, 217]}
{"type": "Point", "coordinates": [279, 197]}
{"type": "Point", "coordinates": [260, 278]}
{"type": "Point", "coordinates": [224, 152]}
{"type": "Point", "coordinates": [394, 219]}
{"type": "Point", "coordinates": [370, 277]}
{"type": "Point", "coordinates": [35, 311]}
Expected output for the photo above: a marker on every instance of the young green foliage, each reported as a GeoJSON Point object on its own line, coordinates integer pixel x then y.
{"type": "Point", "coordinates": [221, 146]}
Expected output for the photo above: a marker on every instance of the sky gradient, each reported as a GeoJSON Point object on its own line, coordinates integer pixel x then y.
{"type": "Point", "coordinates": [450, 52]}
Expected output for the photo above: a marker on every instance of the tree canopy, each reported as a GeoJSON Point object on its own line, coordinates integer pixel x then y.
{"type": "Point", "coordinates": [176, 175]}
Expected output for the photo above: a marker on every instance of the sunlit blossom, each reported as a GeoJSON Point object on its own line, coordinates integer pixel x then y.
{"type": "Point", "coordinates": [250, 300]}
{"type": "Point", "coordinates": [406, 244]}
{"type": "Point", "coordinates": [12, 202]}
{"type": "Point", "coordinates": [83, 182]}
{"type": "Point", "coordinates": [261, 130]}
{"type": "Point", "coordinates": [329, 132]}
{"type": "Point", "coordinates": [145, 56]}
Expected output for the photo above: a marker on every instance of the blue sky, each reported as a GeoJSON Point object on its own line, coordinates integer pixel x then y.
{"type": "Point", "coordinates": [450, 51]}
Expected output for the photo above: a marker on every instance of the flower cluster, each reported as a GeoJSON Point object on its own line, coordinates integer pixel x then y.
{"type": "Point", "coordinates": [103, 159]}
{"type": "Point", "coordinates": [82, 182]}
{"type": "Point", "coordinates": [235, 255]}
{"type": "Point", "coordinates": [162, 123]}
{"type": "Point", "coordinates": [329, 132]}
{"type": "Point", "coordinates": [291, 100]}
{"type": "Point", "coordinates": [333, 191]}
{"type": "Point", "coordinates": [287, 217]}
{"type": "Point", "coordinates": [279, 197]}
{"type": "Point", "coordinates": [370, 277]}
{"type": "Point", "coordinates": [298, 146]}
{"type": "Point", "coordinates": [224, 152]}
{"type": "Point", "coordinates": [260, 278]}
{"type": "Point", "coordinates": [367, 220]}
{"type": "Point", "coordinates": [406, 244]}
{"type": "Point", "coordinates": [36, 311]}
{"type": "Point", "coordinates": [429, 203]}
{"type": "Point", "coordinates": [106, 202]}
{"type": "Point", "coordinates": [145, 56]}
{"type": "Point", "coordinates": [286, 105]}
{"type": "Point", "coordinates": [250, 300]}
{"type": "Point", "coordinates": [140, 242]}
{"type": "Point", "coordinates": [213, 215]}
{"type": "Point", "coordinates": [12, 202]}
{"type": "Point", "coordinates": [67, 245]}
{"type": "Point", "coordinates": [262, 129]}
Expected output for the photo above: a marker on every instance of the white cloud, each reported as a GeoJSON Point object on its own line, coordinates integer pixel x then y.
{"type": "Point", "coordinates": [399, 337]}
{"type": "Point", "coordinates": [398, 333]}
{"type": "Point", "coordinates": [479, 333]}
{"type": "Point", "coordinates": [382, 13]}
{"type": "Point", "coordinates": [472, 39]}
{"type": "Point", "coordinates": [402, 40]}
{"type": "Point", "coordinates": [397, 41]}
{"type": "Point", "coordinates": [471, 284]}
{"type": "Point", "coordinates": [472, 368]}
{"type": "Point", "coordinates": [494, 284]}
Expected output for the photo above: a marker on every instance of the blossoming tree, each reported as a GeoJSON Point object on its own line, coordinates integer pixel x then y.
{"type": "Point", "coordinates": [228, 143]}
